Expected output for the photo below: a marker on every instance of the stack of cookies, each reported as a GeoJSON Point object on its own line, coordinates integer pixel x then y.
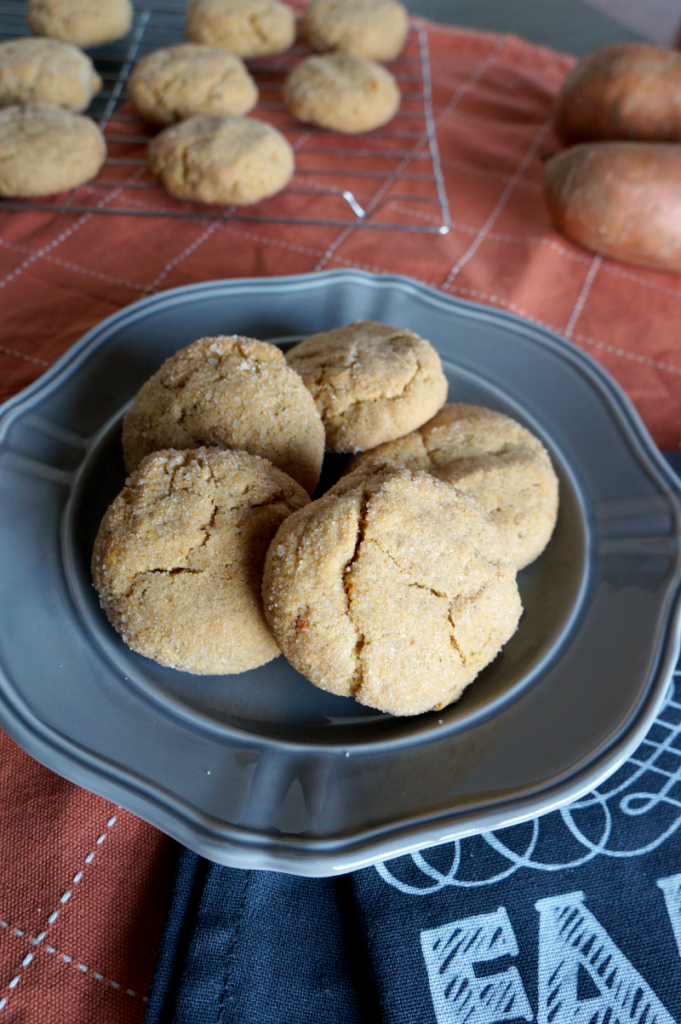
{"type": "Point", "coordinates": [395, 586]}
{"type": "Point", "coordinates": [46, 145]}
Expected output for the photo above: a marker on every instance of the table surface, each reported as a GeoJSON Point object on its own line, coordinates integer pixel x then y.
{"type": "Point", "coordinates": [567, 25]}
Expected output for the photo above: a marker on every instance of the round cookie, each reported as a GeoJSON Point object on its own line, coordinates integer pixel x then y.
{"type": "Point", "coordinates": [249, 28]}
{"type": "Point", "coordinates": [235, 160]}
{"type": "Point", "coordinates": [182, 81]}
{"type": "Point", "coordinates": [178, 559]}
{"type": "Point", "coordinates": [493, 459]}
{"type": "Point", "coordinates": [394, 589]}
{"type": "Point", "coordinates": [371, 382]}
{"type": "Point", "coordinates": [45, 149]}
{"type": "Point", "coordinates": [375, 29]}
{"type": "Point", "coordinates": [83, 22]}
{"type": "Point", "coordinates": [230, 392]}
{"type": "Point", "coordinates": [46, 71]}
{"type": "Point", "coordinates": [342, 92]}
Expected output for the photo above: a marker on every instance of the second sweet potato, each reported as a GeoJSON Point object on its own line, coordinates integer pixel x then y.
{"type": "Point", "coordinates": [622, 199]}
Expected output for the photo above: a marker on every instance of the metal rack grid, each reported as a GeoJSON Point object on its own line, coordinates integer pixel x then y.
{"type": "Point", "coordinates": [386, 179]}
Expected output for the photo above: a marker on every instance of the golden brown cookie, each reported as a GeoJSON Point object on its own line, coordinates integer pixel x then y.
{"type": "Point", "coordinates": [234, 393]}
{"type": "Point", "coordinates": [178, 559]}
{"type": "Point", "coordinates": [45, 149]}
{"type": "Point", "coordinates": [371, 382]}
{"type": "Point", "coordinates": [491, 457]}
{"type": "Point", "coordinates": [375, 29]}
{"type": "Point", "coordinates": [249, 28]}
{"type": "Point", "coordinates": [46, 71]}
{"type": "Point", "coordinates": [235, 160]}
{"type": "Point", "coordinates": [342, 92]}
{"type": "Point", "coordinates": [182, 81]}
{"type": "Point", "coordinates": [83, 22]}
{"type": "Point", "coordinates": [393, 588]}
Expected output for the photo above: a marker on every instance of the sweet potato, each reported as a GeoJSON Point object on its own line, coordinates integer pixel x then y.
{"type": "Point", "coordinates": [622, 199]}
{"type": "Point", "coordinates": [623, 91]}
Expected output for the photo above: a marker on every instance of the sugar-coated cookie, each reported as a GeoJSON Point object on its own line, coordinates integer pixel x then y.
{"type": "Point", "coordinates": [46, 71]}
{"type": "Point", "coordinates": [182, 81]}
{"type": "Point", "coordinates": [179, 555]}
{"type": "Point", "coordinates": [249, 28]}
{"type": "Point", "coordinates": [83, 22]}
{"type": "Point", "coordinates": [231, 392]}
{"type": "Point", "coordinates": [375, 29]}
{"type": "Point", "coordinates": [45, 149]}
{"type": "Point", "coordinates": [493, 459]}
{"type": "Point", "coordinates": [234, 160]}
{"type": "Point", "coordinates": [393, 588]}
{"type": "Point", "coordinates": [371, 382]}
{"type": "Point", "coordinates": [342, 92]}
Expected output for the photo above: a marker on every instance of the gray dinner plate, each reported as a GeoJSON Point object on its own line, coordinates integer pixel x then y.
{"type": "Point", "coordinates": [263, 770]}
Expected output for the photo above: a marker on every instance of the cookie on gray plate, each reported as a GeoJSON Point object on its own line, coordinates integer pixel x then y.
{"type": "Point", "coordinates": [393, 588]}
{"type": "Point", "coordinates": [231, 392]}
{"type": "Point", "coordinates": [371, 382]}
{"type": "Point", "coordinates": [491, 457]}
{"type": "Point", "coordinates": [178, 559]}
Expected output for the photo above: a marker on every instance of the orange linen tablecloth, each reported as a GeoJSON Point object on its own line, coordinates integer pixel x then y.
{"type": "Point", "coordinates": [83, 885]}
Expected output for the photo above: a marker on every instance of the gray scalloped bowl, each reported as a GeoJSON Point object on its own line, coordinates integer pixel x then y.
{"type": "Point", "coordinates": [263, 769]}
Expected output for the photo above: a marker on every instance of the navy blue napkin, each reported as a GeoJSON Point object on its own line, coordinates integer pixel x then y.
{"type": "Point", "coordinates": [572, 917]}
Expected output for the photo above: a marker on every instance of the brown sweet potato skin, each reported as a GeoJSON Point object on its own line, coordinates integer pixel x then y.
{"type": "Point", "coordinates": [622, 199]}
{"type": "Point", "coordinates": [622, 91]}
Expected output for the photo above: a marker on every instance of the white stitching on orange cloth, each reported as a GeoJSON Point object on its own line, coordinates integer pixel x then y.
{"type": "Point", "coordinates": [183, 255]}
{"type": "Point", "coordinates": [71, 266]}
{"type": "Point", "coordinates": [501, 203]}
{"type": "Point", "coordinates": [67, 959]}
{"type": "Point", "coordinates": [65, 897]}
{"type": "Point", "coordinates": [20, 355]}
{"type": "Point", "coordinates": [459, 93]}
{"type": "Point", "coordinates": [66, 234]}
{"type": "Point", "coordinates": [583, 295]}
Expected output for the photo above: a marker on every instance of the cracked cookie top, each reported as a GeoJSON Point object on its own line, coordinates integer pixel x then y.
{"type": "Point", "coordinates": [393, 588]}
{"type": "Point", "coordinates": [371, 382]}
{"type": "Point", "coordinates": [491, 457]}
{"type": "Point", "coordinates": [46, 71]}
{"type": "Point", "coordinates": [375, 29]}
{"type": "Point", "coordinates": [178, 559]}
{"type": "Point", "coordinates": [181, 81]}
{"type": "Point", "coordinates": [249, 28]}
{"type": "Point", "coordinates": [231, 392]}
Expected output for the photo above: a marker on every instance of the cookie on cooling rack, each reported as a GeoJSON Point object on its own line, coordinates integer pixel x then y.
{"type": "Point", "coordinates": [369, 381]}
{"type": "Point", "coordinates": [395, 590]}
{"type": "Point", "coordinates": [83, 22]}
{"type": "Point", "coordinates": [182, 81]}
{"type": "Point", "coordinates": [493, 459]}
{"type": "Point", "coordinates": [178, 558]}
{"type": "Point", "coordinates": [45, 149]}
{"type": "Point", "coordinates": [234, 160]}
{"type": "Point", "coordinates": [375, 29]}
{"type": "Point", "coordinates": [46, 71]}
{"type": "Point", "coordinates": [231, 392]}
{"type": "Point", "coordinates": [342, 92]}
{"type": "Point", "coordinates": [249, 28]}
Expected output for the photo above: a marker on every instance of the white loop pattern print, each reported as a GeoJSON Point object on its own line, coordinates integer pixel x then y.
{"type": "Point", "coordinates": [632, 813]}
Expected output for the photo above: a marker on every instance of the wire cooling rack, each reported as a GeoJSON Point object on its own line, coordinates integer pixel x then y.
{"type": "Point", "coordinates": [388, 179]}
